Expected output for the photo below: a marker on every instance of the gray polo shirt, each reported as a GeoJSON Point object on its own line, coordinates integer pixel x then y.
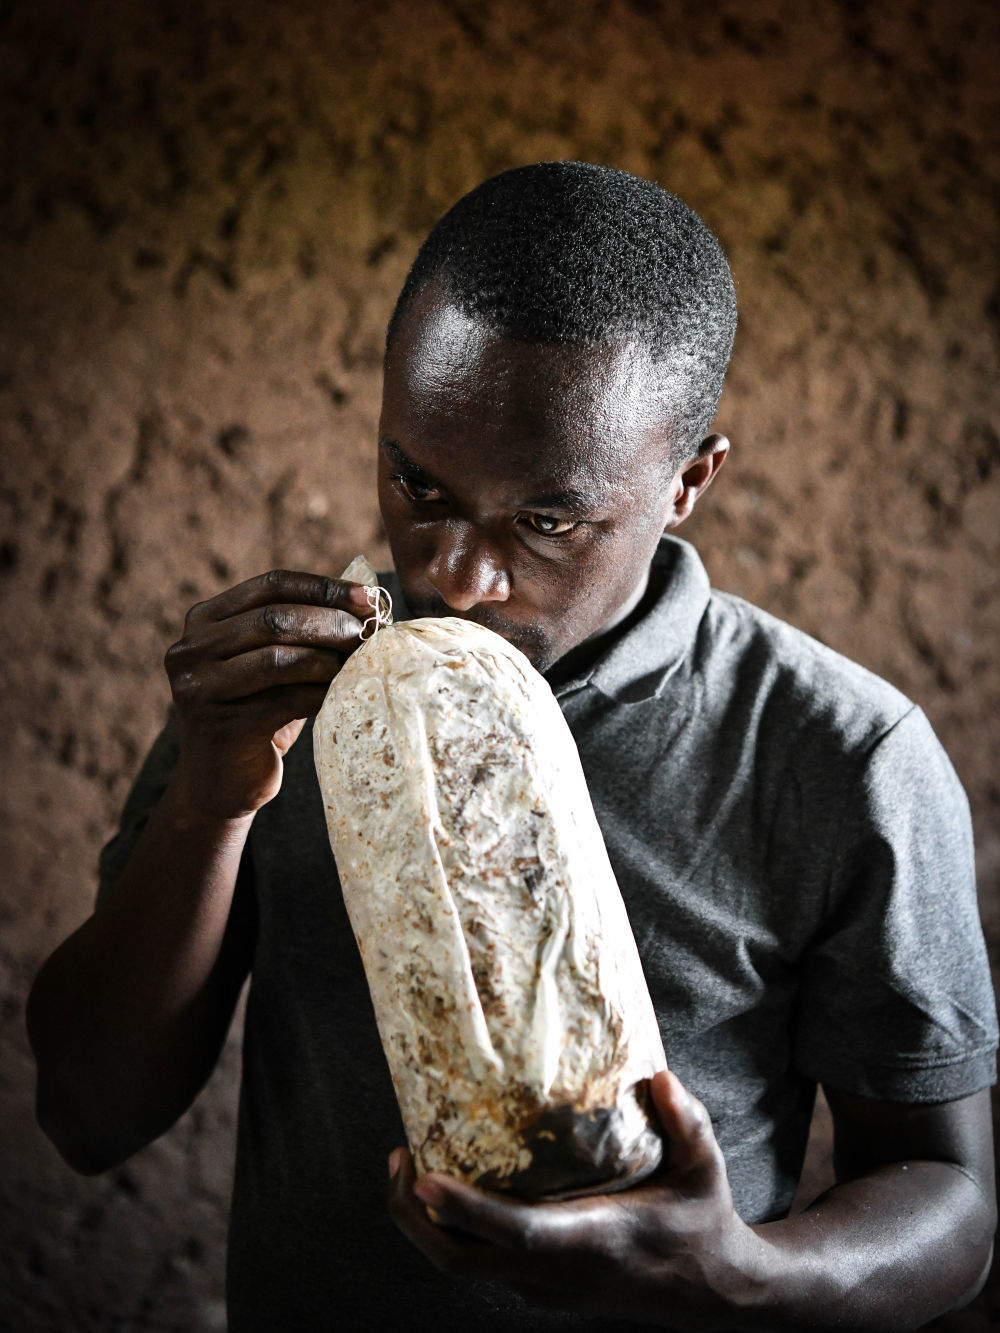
{"type": "Point", "coordinates": [794, 851]}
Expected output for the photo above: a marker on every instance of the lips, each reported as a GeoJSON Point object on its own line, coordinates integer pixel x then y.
{"type": "Point", "coordinates": [532, 640]}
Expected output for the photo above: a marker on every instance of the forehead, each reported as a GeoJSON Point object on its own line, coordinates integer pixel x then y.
{"type": "Point", "coordinates": [456, 386]}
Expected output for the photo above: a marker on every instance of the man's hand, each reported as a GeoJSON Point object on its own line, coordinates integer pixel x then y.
{"type": "Point", "coordinates": [252, 665]}
{"type": "Point", "coordinates": [904, 1236]}
{"type": "Point", "coordinates": [672, 1250]}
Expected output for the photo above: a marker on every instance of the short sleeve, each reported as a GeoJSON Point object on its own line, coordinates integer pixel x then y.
{"type": "Point", "coordinates": [896, 1000]}
{"type": "Point", "coordinates": [146, 791]}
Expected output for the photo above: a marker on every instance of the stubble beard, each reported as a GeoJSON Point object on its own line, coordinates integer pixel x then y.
{"type": "Point", "coordinates": [532, 640]}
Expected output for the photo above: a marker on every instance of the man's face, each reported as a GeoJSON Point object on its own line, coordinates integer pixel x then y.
{"type": "Point", "coordinates": [522, 486]}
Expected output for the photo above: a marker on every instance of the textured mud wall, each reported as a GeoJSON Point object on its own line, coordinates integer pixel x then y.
{"type": "Point", "coordinates": [207, 211]}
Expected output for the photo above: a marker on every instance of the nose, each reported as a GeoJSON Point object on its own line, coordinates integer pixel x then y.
{"type": "Point", "coordinates": [466, 569]}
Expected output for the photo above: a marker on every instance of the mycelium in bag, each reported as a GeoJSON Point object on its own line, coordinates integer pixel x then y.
{"type": "Point", "coordinates": [505, 979]}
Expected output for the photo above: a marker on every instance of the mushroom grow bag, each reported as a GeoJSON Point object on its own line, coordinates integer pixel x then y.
{"type": "Point", "coordinates": [504, 976]}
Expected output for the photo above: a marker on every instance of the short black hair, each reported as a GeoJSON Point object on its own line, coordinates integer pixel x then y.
{"type": "Point", "coordinates": [575, 254]}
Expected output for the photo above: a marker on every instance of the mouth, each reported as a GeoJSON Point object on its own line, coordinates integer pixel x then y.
{"type": "Point", "coordinates": [531, 640]}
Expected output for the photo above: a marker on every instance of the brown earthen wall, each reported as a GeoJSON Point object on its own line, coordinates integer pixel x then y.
{"type": "Point", "coordinates": [207, 211]}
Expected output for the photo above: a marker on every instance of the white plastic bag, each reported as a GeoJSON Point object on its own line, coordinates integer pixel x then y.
{"type": "Point", "coordinates": [505, 979]}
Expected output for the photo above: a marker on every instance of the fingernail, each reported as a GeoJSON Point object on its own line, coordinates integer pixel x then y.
{"type": "Point", "coordinates": [358, 595]}
{"type": "Point", "coordinates": [430, 1193]}
{"type": "Point", "coordinates": [395, 1158]}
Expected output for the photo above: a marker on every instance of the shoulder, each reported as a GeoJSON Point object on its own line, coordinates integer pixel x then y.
{"type": "Point", "coordinates": [837, 740]}
{"type": "Point", "coordinates": [791, 681]}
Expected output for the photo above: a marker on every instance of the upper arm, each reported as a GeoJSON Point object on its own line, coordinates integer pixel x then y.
{"type": "Point", "coordinates": [895, 1000]}
{"type": "Point", "coordinates": [869, 1134]}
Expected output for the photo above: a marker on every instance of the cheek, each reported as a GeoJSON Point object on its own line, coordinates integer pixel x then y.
{"type": "Point", "coordinates": [386, 497]}
{"type": "Point", "coordinates": [600, 587]}
{"type": "Point", "coordinates": [395, 516]}
{"type": "Point", "coordinates": [411, 548]}
{"type": "Point", "coordinates": [577, 603]}
{"type": "Point", "coordinates": [411, 544]}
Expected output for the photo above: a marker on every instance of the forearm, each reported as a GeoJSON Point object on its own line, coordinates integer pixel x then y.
{"type": "Point", "coordinates": [127, 1017]}
{"type": "Point", "coordinates": [888, 1251]}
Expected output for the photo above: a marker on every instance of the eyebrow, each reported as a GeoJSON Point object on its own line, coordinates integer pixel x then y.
{"type": "Point", "coordinates": [400, 457]}
{"type": "Point", "coordinates": [571, 498]}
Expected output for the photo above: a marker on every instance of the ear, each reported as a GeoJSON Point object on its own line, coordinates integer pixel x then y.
{"type": "Point", "coordinates": [695, 477]}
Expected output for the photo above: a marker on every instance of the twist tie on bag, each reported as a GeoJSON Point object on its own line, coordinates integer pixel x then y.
{"type": "Point", "coordinates": [380, 602]}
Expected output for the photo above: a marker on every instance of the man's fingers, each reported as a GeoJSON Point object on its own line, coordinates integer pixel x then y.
{"type": "Point", "coordinates": [691, 1142]}
{"type": "Point", "coordinates": [284, 705]}
{"type": "Point", "coordinates": [281, 628]}
{"type": "Point", "coordinates": [264, 714]}
{"type": "Point", "coordinates": [498, 1221]}
{"type": "Point", "coordinates": [450, 1251]}
{"type": "Point", "coordinates": [557, 1255]}
{"type": "Point", "coordinates": [253, 673]}
{"type": "Point", "coordinates": [277, 622]}
{"type": "Point", "coordinates": [523, 1228]}
{"type": "Point", "coordinates": [281, 586]}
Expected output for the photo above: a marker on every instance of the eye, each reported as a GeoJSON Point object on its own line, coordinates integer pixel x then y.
{"type": "Point", "coordinates": [419, 492]}
{"type": "Point", "coordinates": [547, 526]}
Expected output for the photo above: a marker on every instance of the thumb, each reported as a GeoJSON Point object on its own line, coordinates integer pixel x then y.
{"type": "Point", "coordinates": [686, 1124]}
{"type": "Point", "coordinates": [285, 737]}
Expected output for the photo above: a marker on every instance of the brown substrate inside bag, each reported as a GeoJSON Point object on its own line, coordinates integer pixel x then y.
{"type": "Point", "coordinates": [576, 1152]}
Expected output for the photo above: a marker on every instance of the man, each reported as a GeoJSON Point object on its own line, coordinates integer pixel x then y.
{"type": "Point", "coordinates": [791, 843]}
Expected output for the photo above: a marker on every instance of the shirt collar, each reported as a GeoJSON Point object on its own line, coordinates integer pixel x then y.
{"type": "Point", "coordinates": [638, 663]}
